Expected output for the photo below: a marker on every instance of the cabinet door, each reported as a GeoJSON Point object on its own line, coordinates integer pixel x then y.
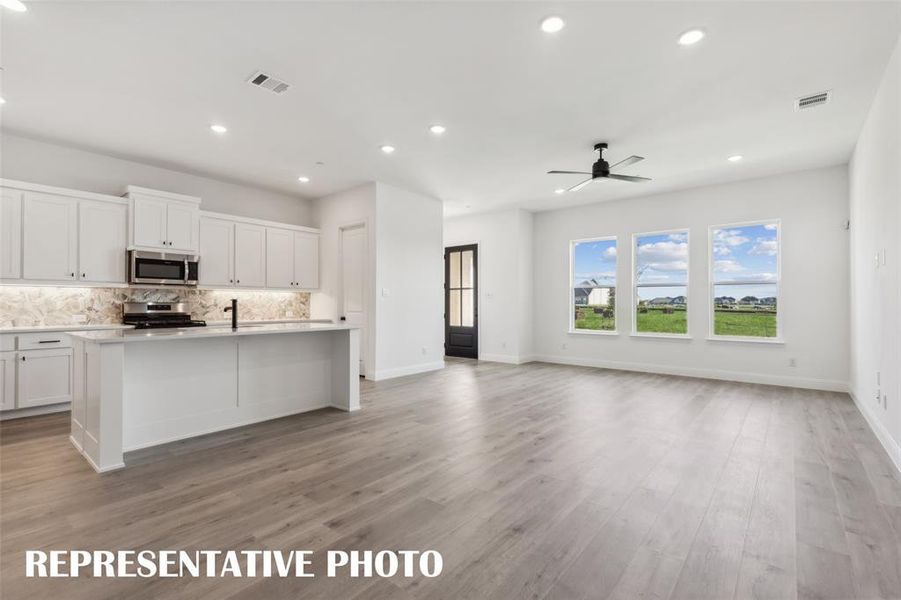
{"type": "Point", "coordinates": [182, 221]}
{"type": "Point", "coordinates": [10, 234]}
{"type": "Point", "coordinates": [279, 258]}
{"type": "Point", "coordinates": [250, 255]}
{"type": "Point", "coordinates": [50, 237]}
{"type": "Point", "coordinates": [149, 222]}
{"type": "Point", "coordinates": [102, 239]}
{"type": "Point", "coordinates": [7, 380]}
{"type": "Point", "coordinates": [306, 260]}
{"type": "Point", "coordinates": [43, 377]}
{"type": "Point", "coordinates": [217, 245]}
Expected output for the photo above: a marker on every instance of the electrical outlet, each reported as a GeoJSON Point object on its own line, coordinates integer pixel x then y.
{"type": "Point", "coordinates": [793, 362]}
{"type": "Point", "coordinates": [79, 318]}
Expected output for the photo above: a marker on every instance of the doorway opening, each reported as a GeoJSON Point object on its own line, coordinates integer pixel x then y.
{"type": "Point", "coordinates": [461, 301]}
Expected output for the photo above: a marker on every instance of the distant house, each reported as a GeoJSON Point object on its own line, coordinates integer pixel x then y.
{"type": "Point", "coordinates": [590, 293]}
{"type": "Point", "coordinates": [665, 301]}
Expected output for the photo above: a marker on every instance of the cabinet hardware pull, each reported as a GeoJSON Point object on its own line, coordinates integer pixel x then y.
{"type": "Point", "coordinates": [71, 274]}
{"type": "Point", "coordinates": [49, 341]}
{"type": "Point", "coordinates": [84, 275]}
{"type": "Point", "coordinates": [23, 359]}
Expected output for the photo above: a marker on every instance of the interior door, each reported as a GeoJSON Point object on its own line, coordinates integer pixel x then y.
{"type": "Point", "coordinates": [461, 328]}
{"type": "Point", "coordinates": [353, 283]}
{"type": "Point", "coordinates": [102, 238]}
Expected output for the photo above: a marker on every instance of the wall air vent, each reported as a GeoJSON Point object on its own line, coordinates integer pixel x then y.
{"type": "Point", "coordinates": [268, 82]}
{"type": "Point", "coordinates": [813, 100]}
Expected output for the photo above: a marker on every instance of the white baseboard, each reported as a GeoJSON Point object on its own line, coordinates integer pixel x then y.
{"type": "Point", "coordinates": [410, 370]}
{"type": "Point", "coordinates": [797, 382]}
{"type": "Point", "coordinates": [882, 434]}
{"type": "Point", "coordinates": [507, 359]}
{"type": "Point", "coordinates": [18, 413]}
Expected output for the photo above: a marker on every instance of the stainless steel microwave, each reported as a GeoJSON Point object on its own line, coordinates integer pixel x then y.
{"type": "Point", "coordinates": [162, 268]}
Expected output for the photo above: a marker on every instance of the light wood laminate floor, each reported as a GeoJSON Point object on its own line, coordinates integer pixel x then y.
{"type": "Point", "coordinates": [534, 481]}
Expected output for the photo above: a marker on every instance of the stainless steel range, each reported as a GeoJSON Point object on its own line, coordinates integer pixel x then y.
{"type": "Point", "coordinates": [153, 315]}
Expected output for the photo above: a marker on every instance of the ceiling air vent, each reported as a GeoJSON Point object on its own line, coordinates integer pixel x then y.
{"type": "Point", "coordinates": [268, 82]}
{"type": "Point", "coordinates": [813, 100]}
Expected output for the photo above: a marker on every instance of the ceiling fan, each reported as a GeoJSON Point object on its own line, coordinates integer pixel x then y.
{"type": "Point", "coordinates": [601, 170]}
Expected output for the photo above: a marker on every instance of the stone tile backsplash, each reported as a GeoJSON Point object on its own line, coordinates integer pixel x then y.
{"type": "Point", "coordinates": [35, 306]}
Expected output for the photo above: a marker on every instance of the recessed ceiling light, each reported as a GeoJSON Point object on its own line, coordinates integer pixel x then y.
{"type": "Point", "coordinates": [559, 191]}
{"type": "Point", "coordinates": [735, 158]}
{"type": "Point", "coordinates": [387, 149]}
{"type": "Point", "coordinates": [15, 5]}
{"type": "Point", "coordinates": [303, 179]}
{"type": "Point", "coordinates": [437, 129]}
{"type": "Point", "coordinates": [692, 36]}
{"type": "Point", "coordinates": [2, 100]}
{"type": "Point", "coordinates": [552, 24]}
{"type": "Point", "coordinates": [219, 128]}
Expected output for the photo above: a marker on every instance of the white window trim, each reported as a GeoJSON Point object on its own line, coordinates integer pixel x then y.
{"type": "Point", "coordinates": [571, 302]}
{"type": "Point", "coordinates": [711, 287]}
{"type": "Point", "coordinates": [634, 307]}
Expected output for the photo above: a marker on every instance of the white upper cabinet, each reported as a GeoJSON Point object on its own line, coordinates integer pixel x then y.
{"type": "Point", "coordinates": [250, 255]}
{"type": "Point", "coordinates": [10, 234]}
{"type": "Point", "coordinates": [280, 250]}
{"type": "Point", "coordinates": [306, 260]}
{"type": "Point", "coordinates": [149, 222]}
{"type": "Point", "coordinates": [50, 246]}
{"type": "Point", "coordinates": [163, 221]}
{"type": "Point", "coordinates": [217, 252]}
{"type": "Point", "coordinates": [102, 233]}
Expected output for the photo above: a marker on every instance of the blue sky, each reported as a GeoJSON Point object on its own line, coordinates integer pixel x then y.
{"type": "Point", "coordinates": [745, 254]}
{"type": "Point", "coordinates": [662, 259]}
{"type": "Point", "coordinates": [595, 260]}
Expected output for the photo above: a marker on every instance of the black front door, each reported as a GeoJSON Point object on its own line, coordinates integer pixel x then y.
{"type": "Point", "coordinates": [461, 301]}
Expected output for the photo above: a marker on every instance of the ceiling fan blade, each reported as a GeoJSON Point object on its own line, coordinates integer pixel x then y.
{"type": "Point", "coordinates": [628, 161]}
{"type": "Point", "coordinates": [579, 186]}
{"type": "Point", "coordinates": [628, 178]}
{"type": "Point", "coordinates": [568, 173]}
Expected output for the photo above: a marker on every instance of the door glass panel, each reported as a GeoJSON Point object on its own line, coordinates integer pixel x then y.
{"type": "Point", "coordinates": [454, 269]}
{"type": "Point", "coordinates": [467, 269]}
{"type": "Point", "coordinates": [455, 308]}
{"type": "Point", "coordinates": [468, 311]}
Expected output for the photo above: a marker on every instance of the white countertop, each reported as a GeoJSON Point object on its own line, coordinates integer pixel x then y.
{"type": "Point", "coordinates": [49, 328]}
{"type": "Point", "coordinates": [193, 333]}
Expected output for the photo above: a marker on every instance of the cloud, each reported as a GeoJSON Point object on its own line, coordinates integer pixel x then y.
{"type": "Point", "coordinates": [678, 237]}
{"type": "Point", "coordinates": [764, 247]}
{"type": "Point", "coordinates": [663, 252]}
{"type": "Point", "coordinates": [771, 226]}
{"type": "Point", "coordinates": [730, 237]}
{"type": "Point", "coordinates": [676, 265]}
{"type": "Point", "coordinates": [762, 278]}
{"type": "Point", "coordinates": [727, 266]}
{"type": "Point", "coordinates": [610, 252]}
{"type": "Point", "coordinates": [721, 250]}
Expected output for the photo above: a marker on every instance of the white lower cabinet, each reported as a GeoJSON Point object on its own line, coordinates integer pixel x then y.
{"type": "Point", "coordinates": [7, 380]}
{"type": "Point", "coordinates": [43, 377]}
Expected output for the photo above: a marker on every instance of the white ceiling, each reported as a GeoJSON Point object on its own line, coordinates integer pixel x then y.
{"type": "Point", "coordinates": [145, 81]}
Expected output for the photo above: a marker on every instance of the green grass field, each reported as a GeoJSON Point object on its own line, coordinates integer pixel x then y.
{"type": "Point", "coordinates": [587, 319]}
{"type": "Point", "coordinates": [749, 324]}
{"type": "Point", "coordinates": [657, 321]}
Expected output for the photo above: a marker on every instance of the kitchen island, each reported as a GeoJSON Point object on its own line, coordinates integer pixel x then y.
{"type": "Point", "coordinates": [141, 388]}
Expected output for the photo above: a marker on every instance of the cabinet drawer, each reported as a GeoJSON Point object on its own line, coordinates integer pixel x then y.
{"type": "Point", "coordinates": [44, 341]}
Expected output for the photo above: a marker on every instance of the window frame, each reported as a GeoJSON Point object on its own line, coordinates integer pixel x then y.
{"type": "Point", "coordinates": [571, 302]}
{"type": "Point", "coordinates": [634, 307]}
{"type": "Point", "coordinates": [711, 286]}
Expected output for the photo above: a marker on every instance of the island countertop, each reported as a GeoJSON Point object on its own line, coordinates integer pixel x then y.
{"type": "Point", "coordinates": [193, 333]}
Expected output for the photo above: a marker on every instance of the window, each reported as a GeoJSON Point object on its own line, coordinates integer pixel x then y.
{"type": "Point", "coordinates": [593, 291]}
{"type": "Point", "coordinates": [745, 280]}
{"type": "Point", "coordinates": [661, 283]}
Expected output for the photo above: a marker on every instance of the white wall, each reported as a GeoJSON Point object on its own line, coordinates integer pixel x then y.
{"type": "Point", "coordinates": [405, 262]}
{"type": "Point", "coordinates": [409, 283]}
{"type": "Point", "coordinates": [330, 214]}
{"type": "Point", "coordinates": [813, 206]}
{"type": "Point", "coordinates": [36, 161]}
{"type": "Point", "coordinates": [505, 280]}
{"type": "Point", "coordinates": [875, 184]}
